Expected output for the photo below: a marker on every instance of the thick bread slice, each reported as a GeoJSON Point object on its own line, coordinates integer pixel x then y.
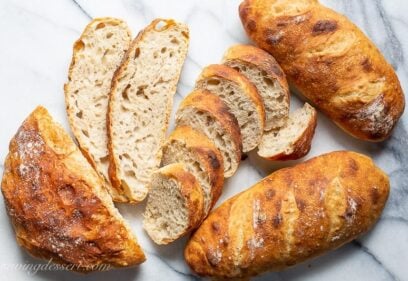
{"type": "Point", "coordinates": [57, 203]}
{"type": "Point", "coordinates": [266, 74]}
{"type": "Point", "coordinates": [140, 104]}
{"type": "Point", "coordinates": [175, 204]}
{"type": "Point", "coordinates": [207, 113]}
{"type": "Point", "coordinates": [201, 158]}
{"type": "Point", "coordinates": [292, 141]}
{"type": "Point", "coordinates": [96, 56]}
{"type": "Point", "coordinates": [242, 98]}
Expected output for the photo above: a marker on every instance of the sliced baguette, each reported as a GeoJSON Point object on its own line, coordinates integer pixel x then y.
{"type": "Point", "coordinates": [175, 204]}
{"type": "Point", "coordinates": [57, 203]}
{"type": "Point", "coordinates": [140, 104]}
{"type": "Point", "coordinates": [292, 141]}
{"type": "Point", "coordinates": [266, 74]}
{"type": "Point", "coordinates": [207, 113]}
{"type": "Point", "coordinates": [201, 158]}
{"type": "Point", "coordinates": [242, 98]}
{"type": "Point", "coordinates": [96, 56]}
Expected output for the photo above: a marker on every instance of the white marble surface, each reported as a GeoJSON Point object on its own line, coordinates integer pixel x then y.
{"type": "Point", "coordinates": [36, 44]}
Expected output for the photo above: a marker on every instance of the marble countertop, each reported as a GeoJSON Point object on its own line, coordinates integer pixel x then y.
{"type": "Point", "coordinates": [35, 51]}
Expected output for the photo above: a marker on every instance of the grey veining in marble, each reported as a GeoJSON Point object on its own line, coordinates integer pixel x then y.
{"type": "Point", "coordinates": [37, 38]}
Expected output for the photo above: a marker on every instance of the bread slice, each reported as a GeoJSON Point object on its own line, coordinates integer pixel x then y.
{"type": "Point", "coordinates": [96, 56]}
{"type": "Point", "coordinates": [266, 74]}
{"type": "Point", "coordinates": [175, 204]}
{"type": "Point", "coordinates": [140, 104]}
{"type": "Point", "coordinates": [57, 203]}
{"type": "Point", "coordinates": [242, 98]}
{"type": "Point", "coordinates": [292, 141]}
{"type": "Point", "coordinates": [208, 114]}
{"type": "Point", "coordinates": [200, 157]}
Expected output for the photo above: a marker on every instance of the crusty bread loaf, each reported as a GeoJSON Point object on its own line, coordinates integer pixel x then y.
{"type": "Point", "coordinates": [330, 61]}
{"type": "Point", "coordinates": [57, 203]}
{"type": "Point", "coordinates": [207, 113]}
{"type": "Point", "coordinates": [292, 215]}
{"type": "Point", "coordinates": [241, 97]}
{"type": "Point", "coordinates": [175, 204]}
{"type": "Point", "coordinates": [268, 77]}
{"type": "Point", "coordinates": [140, 104]}
{"type": "Point", "coordinates": [96, 56]}
{"type": "Point", "coordinates": [292, 141]}
{"type": "Point", "coordinates": [200, 157]}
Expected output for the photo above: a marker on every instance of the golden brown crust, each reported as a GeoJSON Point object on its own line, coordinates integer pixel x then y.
{"type": "Point", "coordinates": [191, 191]}
{"type": "Point", "coordinates": [71, 110]}
{"type": "Point", "coordinates": [251, 55]}
{"type": "Point", "coordinates": [57, 203]}
{"type": "Point", "coordinates": [230, 74]}
{"type": "Point", "coordinates": [113, 162]}
{"type": "Point", "coordinates": [205, 101]}
{"type": "Point", "coordinates": [330, 61]}
{"type": "Point", "coordinates": [208, 155]}
{"type": "Point", "coordinates": [290, 216]}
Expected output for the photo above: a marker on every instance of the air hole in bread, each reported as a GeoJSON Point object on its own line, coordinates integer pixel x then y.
{"type": "Point", "coordinates": [137, 53]}
{"type": "Point", "coordinates": [86, 133]}
{"type": "Point", "coordinates": [174, 41]}
{"type": "Point", "coordinates": [79, 114]}
{"type": "Point", "coordinates": [109, 35]}
{"type": "Point", "coordinates": [125, 95]}
{"type": "Point", "coordinates": [79, 45]}
{"type": "Point", "coordinates": [104, 160]}
{"type": "Point", "coordinates": [100, 25]}
{"type": "Point", "coordinates": [213, 82]}
{"type": "Point", "coordinates": [163, 50]}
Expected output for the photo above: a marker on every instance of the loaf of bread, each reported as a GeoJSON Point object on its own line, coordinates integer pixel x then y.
{"type": "Point", "coordinates": [292, 215]}
{"type": "Point", "coordinates": [201, 157]}
{"type": "Point", "coordinates": [208, 114]}
{"type": "Point", "coordinates": [266, 74]}
{"type": "Point", "coordinates": [294, 139]}
{"type": "Point", "coordinates": [330, 61]}
{"type": "Point", "coordinates": [57, 203]}
{"type": "Point", "coordinates": [96, 56]}
{"type": "Point", "coordinates": [241, 97]}
{"type": "Point", "coordinates": [140, 103]}
{"type": "Point", "coordinates": [175, 204]}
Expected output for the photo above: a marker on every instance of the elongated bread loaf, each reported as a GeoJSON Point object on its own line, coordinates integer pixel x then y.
{"type": "Point", "coordinates": [207, 113]}
{"type": "Point", "coordinates": [96, 56]}
{"type": "Point", "coordinates": [57, 203]}
{"type": "Point", "coordinates": [241, 97]}
{"type": "Point", "coordinates": [175, 204]}
{"type": "Point", "coordinates": [268, 77]}
{"type": "Point", "coordinates": [292, 215]}
{"type": "Point", "coordinates": [201, 157]}
{"type": "Point", "coordinates": [140, 104]}
{"type": "Point", "coordinates": [330, 61]}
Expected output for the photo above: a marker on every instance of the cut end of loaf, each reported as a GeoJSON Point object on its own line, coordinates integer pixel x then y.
{"type": "Point", "coordinates": [292, 141]}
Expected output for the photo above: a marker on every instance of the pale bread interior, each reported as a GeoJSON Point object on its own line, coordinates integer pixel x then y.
{"type": "Point", "coordinates": [240, 105]}
{"type": "Point", "coordinates": [283, 140]}
{"type": "Point", "coordinates": [208, 125]}
{"type": "Point", "coordinates": [273, 94]}
{"type": "Point", "coordinates": [143, 102]}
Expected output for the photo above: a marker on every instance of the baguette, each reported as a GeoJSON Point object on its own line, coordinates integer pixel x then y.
{"type": "Point", "coordinates": [140, 103]}
{"type": "Point", "coordinates": [331, 62]}
{"type": "Point", "coordinates": [292, 215]}
{"type": "Point", "coordinates": [96, 55]}
{"type": "Point", "coordinates": [175, 204]}
{"type": "Point", "coordinates": [268, 77]}
{"type": "Point", "coordinates": [208, 114]}
{"type": "Point", "coordinates": [200, 157]}
{"type": "Point", "coordinates": [57, 203]}
{"type": "Point", "coordinates": [294, 140]}
{"type": "Point", "coordinates": [241, 97]}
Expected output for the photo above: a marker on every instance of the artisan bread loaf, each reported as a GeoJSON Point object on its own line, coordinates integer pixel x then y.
{"type": "Point", "coordinates": [57, 203]}
{"type": "Point", "coordinates": [292, 141]}
{"type": "Point", "coordinates": [241, 97]}
{"type": "Point", "coordinates": [96, 56]}
{"type": "Point", "coordinates": [175, 204]}
{"type": "Point", "coordinates": [330, 61]}
{"type": "Point", "coordinates": [268, 77]}
{"type": "Point", "coordinates": [140, 103]}
{"type": "Point", "coordinates": [292, 215]}
{"type": "Point", "coordinates": [208, 114]}
{"type": "Point", "coordinates": [200, 157]}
